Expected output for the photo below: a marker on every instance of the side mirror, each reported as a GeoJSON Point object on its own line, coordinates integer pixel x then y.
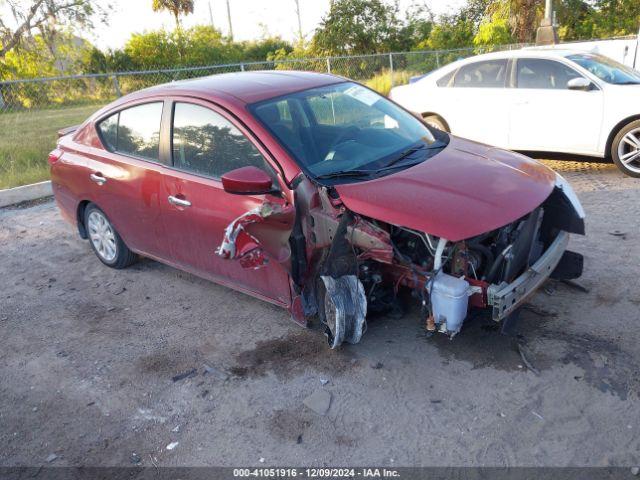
{"type": "Point", "coordinates": [247, 181]}
{"type": "Point", "coordinates": [579, 83]}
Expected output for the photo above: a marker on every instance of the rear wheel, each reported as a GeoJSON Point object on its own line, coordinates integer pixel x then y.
{"type": "Point", "coordinates": [625, 149]}
{"type": "Point", "coordinates": [436, 121]}
{"type": "Point", "coordinates": [105, 240]}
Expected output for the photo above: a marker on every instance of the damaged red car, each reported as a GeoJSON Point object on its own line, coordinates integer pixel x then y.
{"type": "Point", "coordinates": [317, 194]}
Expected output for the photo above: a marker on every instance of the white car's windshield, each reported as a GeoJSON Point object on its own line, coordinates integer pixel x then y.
{"type": "Point", "coordinates": [606, 69]}
{"type": "Point", "coordinates": [348, 132]}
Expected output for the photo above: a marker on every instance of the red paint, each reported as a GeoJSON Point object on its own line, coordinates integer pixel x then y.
{"type": "Point", "coordinates": [246, 180]}
{"type": "Point", "coordinates": [465, 190]}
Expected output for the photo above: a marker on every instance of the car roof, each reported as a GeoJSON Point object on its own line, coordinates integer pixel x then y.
{"type": "Point", "coordinates": [531, 52]}
{"type": "Point", "coordinates": [243, 87]}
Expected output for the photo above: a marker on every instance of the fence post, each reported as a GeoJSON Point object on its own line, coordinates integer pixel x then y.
{"type": "Point", "coordinates": [116, 85]}
{"type": "Point", "coordinates": [242, 67]}
{"type": "Point", "coordinates": [437, 60]}
{"type": "Point", "coordinates": [391, 68]}
{"type": "Point", "coordinates": [328, 64]}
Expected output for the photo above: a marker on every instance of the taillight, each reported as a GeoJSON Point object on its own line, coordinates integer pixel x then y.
{"type": "Point", "coordinates": [54, 156]}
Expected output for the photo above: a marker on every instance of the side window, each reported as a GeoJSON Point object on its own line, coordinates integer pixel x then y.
{"type": "Point", "coordinates": [445, 80]}
{"type": "Point", "coordinates": [205, 143]}
{"type": "Point", "coordinates": [109, 131]}
{"type": "Point", "coordinates": [541, 73]}
{"type": "Point", "coordinates": [134, 131]}
{"type": "Point", "coordinates": [488, 74]}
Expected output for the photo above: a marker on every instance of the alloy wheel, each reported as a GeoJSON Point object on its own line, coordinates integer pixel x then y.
{"type": "Point", "coordinates": [102, 236]}
{"type": "Point", "coordinates": [629, 150]}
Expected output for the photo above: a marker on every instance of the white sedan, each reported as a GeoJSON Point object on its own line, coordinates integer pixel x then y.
{"type": "Point", "coordinates": [538, 99]}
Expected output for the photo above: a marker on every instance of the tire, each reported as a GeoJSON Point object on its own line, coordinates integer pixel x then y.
{"type": "Point", "coordinates": [625, 149]}
{"type": "Point", "coordinates": [436, 122]}
{"type": "Point", "coordinates": [105, 241]}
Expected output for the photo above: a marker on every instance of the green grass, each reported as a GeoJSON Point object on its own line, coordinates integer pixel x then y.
{"type": "Point", "coordinates": [27, 137]}
{"type": "Point", "coordinates": [381, 83]}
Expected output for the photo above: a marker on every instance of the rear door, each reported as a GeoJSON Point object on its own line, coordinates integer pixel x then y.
{"type": "Point", "coordinates": [126, 177]}
{"type": "Point", "coordinates": [205, 143]}
{"type": "Point", "coordinates": [547, 116]}
{"type": "Point", "coordinates": [478, 102]}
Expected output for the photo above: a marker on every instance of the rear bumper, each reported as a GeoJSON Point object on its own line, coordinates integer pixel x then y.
{"type": "Point", "coordinates": [505, 298]}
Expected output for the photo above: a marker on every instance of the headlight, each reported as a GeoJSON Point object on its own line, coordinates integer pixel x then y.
{"type": "Point", "coordinates": [566, 188]}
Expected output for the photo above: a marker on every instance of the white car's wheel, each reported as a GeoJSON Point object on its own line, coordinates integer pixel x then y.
{"type": "Point", "coordinates": [436, 122]}
{"type": "Point", "coordinates": [625, 149]}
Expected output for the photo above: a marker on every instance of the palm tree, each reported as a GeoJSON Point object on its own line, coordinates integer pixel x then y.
{"type": "Point", "coordinates": [176, 7]}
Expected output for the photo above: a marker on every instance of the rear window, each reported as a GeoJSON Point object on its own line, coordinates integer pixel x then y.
{"type": "Point", "coordinates": [487, 74]}
{"type": "Point", "coordinates": [446, 79]}
{"type": "Point", "coordinates": [134, 131]}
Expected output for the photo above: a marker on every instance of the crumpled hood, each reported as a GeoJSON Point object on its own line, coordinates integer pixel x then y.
{"type": "Point", "coordinates": [465, 190]}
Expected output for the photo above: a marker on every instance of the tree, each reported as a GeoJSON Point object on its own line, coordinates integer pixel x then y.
{"type": "Point", "coordinates": [357, 27]}
{"type": "Point", "coordinates": [45, 17]}
{"type": "Point", "coordinates": [176, 7]}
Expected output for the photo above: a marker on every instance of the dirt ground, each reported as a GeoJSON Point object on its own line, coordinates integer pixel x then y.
{"type": "Point", "coordinates": [89, 354]}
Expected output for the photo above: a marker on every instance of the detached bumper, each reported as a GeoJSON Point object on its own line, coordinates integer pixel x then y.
{"type": "Point", "coordinates": [505, 298]}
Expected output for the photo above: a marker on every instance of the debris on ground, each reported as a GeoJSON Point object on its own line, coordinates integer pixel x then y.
{"type": "Point", "coordinates": [136, 459]}
{"type": "Point", "coordinates": [635, 471]}
{"type": "Point", "coordinates": [176, 429]}
{"type": "Point", "coordinates": [324, 381]}
{"type": "Point", "coordinates": [215, 372]}
{"type": "Point", "coordinates": [52, 457]}
{"type": "Point", "coordinates": [299, 439]}
{"type": "Point", "coordinates": [537, 415]}
{"type": "Point", "coordinates": [377, 365]}
{"type": "Point", "coordinates": [319, 401]}
{"type": "Point", "coordinates": [262, 460]}
{"type": "Point", "coordinates": [182, 376]}
{"type": "Point", "coordinates": [522, 351]}
{"type": "Point", "coordinates": [575, 286]}
{"type": "Point", "coordinates": [172, 445]}
{"type": "Point", "coordinates": [541, 312]}
{"type": "Point", "coordinates": [618, 233]}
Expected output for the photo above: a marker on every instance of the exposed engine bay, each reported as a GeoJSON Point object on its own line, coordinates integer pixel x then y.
{"type": "Point", "coordinates": [343, 265]}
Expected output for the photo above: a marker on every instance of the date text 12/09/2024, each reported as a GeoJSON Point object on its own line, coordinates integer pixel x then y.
{"type": "Point", "coordinates": [316, 472]}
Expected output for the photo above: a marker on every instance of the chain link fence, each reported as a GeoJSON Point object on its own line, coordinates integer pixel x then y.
{"type": "Point", "coordinates": [33, 110]}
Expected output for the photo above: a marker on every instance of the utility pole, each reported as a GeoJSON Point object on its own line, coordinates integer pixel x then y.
{"type": "Point", "coordinates": [546, 34]}
{"type": "Point", "coordinates": [211, 16]}
{"type": "Point", "coordinates": [229, 18]}
{"type": "Point", "coordinates": [299, 22]}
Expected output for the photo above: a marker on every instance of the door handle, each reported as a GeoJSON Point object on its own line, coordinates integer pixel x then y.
{"type": "Point", "coordinates": [98, 178]}
{"type": "Point", "coordinates": [180, 202]}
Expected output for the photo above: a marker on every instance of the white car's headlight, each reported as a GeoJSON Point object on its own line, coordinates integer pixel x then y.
{"type": "Point", "coordinates": [566, 188]}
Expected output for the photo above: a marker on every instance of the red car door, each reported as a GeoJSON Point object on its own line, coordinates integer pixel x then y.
{"type": "Point", "coordinates": [196, 210]}
{"type": "Point", "coordinates": [126, 178]}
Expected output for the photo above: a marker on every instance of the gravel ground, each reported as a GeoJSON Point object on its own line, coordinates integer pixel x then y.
{"type": "Point", "coordinates": [89, 355]}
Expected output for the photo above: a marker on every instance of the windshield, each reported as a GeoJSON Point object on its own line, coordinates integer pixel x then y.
{"type": "Point", "coordinates": [345, 132]}
{"type": "Point", "coordinates": [607, 69]}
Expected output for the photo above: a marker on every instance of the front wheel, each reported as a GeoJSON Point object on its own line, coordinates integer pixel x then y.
{"type": "Point", "coordinates": [105, 240]}
{"type": "Point", "coordinates": [625, 149]}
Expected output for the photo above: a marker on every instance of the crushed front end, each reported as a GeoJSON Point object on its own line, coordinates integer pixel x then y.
{"type": "Point", "coordinates": [344, 265]}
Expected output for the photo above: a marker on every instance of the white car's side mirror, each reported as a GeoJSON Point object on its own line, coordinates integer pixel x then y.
{"type": "Point", "coordinates": [579, 83]}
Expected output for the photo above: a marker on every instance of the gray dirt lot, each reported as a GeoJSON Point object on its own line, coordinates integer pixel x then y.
{"type": "Point", "coordinates": [88, 355]}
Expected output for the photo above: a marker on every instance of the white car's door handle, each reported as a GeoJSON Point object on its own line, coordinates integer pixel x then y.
{"type": "Point", "coordinates": [98, 178]}
{"type": "Point", "coordinates": [180, 202]}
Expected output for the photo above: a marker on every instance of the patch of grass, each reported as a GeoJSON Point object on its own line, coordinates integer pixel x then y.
{"type": "Point", "coordinates": [381, 83]}
{"type": "Point", "coordinates": [27, 137]}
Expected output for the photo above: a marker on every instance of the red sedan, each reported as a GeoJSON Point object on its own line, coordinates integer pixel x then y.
{"type": "Point", "coordinates": [317, 194]}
